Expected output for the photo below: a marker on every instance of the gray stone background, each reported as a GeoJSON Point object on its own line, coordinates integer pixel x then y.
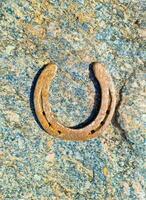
{"type": "Point", "coordinates": [72, 34]}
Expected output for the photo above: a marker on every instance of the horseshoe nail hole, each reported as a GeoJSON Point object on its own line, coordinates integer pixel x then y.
{"type": "Point", "coordinates": [102, 123]}
{"type": "Point", "coordinates": [49, 124]}
{"type": "Point", "coordinates": [92, 131]}
{"type": "Point", "coordinates": [59, 132]}
{"type": "Point", "coordinates": [107, 112]}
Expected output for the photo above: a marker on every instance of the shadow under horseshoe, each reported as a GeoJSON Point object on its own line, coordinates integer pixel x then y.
{"type": "Point", "coordinates": [31, 97]}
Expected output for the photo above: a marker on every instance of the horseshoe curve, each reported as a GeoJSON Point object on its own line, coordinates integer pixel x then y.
{"type": "Point", "coordinates": [53, 127]}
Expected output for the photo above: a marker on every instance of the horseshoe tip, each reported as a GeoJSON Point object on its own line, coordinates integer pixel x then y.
{"type": "Point", "coordinates": [98, 65]}
{"type": "Point", "coordinates": [52, 67]}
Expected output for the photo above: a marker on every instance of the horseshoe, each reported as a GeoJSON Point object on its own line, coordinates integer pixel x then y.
{"type": "Point", "coordinates": [53, 127]}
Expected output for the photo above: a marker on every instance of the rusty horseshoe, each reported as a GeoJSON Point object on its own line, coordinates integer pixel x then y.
{"type": "Point", "coordinates": [53, 127]}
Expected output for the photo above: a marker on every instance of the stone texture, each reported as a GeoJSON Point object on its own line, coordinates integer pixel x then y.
{"type": "Point", "coordinates": [72, 34]}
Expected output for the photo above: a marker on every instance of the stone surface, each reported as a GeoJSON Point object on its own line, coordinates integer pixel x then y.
{"type": "Point", "coordinates": [72, 34]}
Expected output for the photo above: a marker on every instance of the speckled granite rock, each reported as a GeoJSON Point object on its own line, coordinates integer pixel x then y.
{"type": "Point", "coordinates": [35, 166]}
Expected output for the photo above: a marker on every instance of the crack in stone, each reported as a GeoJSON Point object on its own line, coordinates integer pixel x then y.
{"type": "Point", "coordinates": [115, 121]}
